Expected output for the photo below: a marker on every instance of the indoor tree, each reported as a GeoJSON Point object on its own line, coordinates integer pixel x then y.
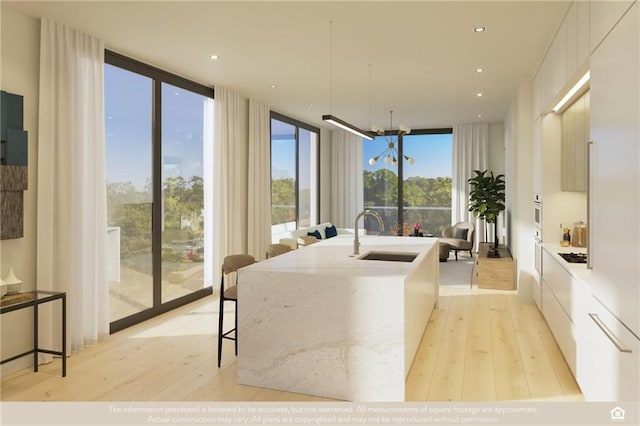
{"type": "Point", "coordinates": [486, 200]}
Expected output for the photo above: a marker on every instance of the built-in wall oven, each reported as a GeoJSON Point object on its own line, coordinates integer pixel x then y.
{"type": "Point", "coordinates": [537, 210]}
{"type": "Point", "coordinates": [537, 250]}
{"type": "Point", "coordinates": [537, 237]}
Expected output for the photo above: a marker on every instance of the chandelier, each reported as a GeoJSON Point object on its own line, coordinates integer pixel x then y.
{"type": "Point", "coordinates": [390, 153]}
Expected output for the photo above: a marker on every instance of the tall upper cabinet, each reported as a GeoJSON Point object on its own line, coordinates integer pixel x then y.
{"type": "Point", "coordinates": [603, 15]}
{"type": "Point", "coordinates": [614, 196]}
{"type": "Point", "coordinates": [567, 55]}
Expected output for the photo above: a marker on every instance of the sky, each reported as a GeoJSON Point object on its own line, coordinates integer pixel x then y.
{"type": "Point", "coordinates": [128, 126]}
{"type": "Point", "coordinates": [128, 123]}
{"type": "Point", "coordinates": [432, 154]}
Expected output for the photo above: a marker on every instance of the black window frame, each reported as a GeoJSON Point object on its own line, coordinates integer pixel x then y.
{"type": "Point", "coordinates": [158, 77]}
{"type": "Point", "coordinates": [298, 125]}
{"type": "Point", "coordinates": [400, 147]}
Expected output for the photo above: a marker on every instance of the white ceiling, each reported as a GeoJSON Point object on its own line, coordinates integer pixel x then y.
{"type": "Point", "coordinates": [422, 54]}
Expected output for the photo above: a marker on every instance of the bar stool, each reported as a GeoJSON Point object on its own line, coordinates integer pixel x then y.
{"type": "Point", "coordinates": [230, 264]}
{"type": "Point", "coordinates": [276, 249]}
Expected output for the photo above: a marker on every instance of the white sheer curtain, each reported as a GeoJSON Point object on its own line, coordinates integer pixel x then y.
{"type": "Point", "coordinates": [227, 193]}
{"type": "Point", "coordinates": [208, 174]}
{"type": "Point", "coordinates": [347, 193]}
{"type": "Point", "coordinates": [259, 180]}
{"type": "Point", "coordinates": [470, 152]}
{"type": "Point", "coordinates": [72, 207]}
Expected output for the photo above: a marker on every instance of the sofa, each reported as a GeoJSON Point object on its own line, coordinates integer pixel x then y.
{"type": "Point", "coordinates": [300, 237]}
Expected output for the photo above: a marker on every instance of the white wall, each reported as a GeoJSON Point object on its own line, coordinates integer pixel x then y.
{"type": "Point", "coordinates": [496, 148]}
{"type": "Point", "coordinates": [496, 163]}
{"type": "Point", "coordinates": [560, 209]}
{"type": "Point", "coordinates": [20, 70]}
{"type": "Point", "coordinates": [519, 178]}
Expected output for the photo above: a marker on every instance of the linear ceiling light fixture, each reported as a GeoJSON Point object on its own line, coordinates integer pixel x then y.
{"type": "Point", "coordinates": [330, 118]}
{"type": "Point", "coordinates": [346, 126]}
{"type": "Point", "coordinates": [576, 87]}
{"type": "Point", "coordinates": [390, 153]}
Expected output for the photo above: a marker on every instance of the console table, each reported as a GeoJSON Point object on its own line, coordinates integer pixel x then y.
{"type": "Point", "coordinates": [34, 299]}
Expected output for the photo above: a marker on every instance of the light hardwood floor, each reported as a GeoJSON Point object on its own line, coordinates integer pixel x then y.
{"type": "Point", "coordinates": [479, 346]}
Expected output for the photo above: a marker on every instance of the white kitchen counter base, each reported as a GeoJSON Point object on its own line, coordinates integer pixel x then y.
{"type": "Point", "coordinates": [319, 322]}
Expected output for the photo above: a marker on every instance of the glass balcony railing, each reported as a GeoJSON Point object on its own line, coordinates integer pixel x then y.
{"type": "Point", "coordinates": [432, 220]}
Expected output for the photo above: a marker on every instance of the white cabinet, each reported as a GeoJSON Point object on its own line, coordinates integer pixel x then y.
{"type": "Point", "coordinates": [613, 354]}
{"type": "Point", "coordinates": [614, 243]}
{"type": "Point", "coordinates": [602, 354]}
{"type": "Point", "coordinates": [577, 23]}
{"type": "Point", "coordinates": [583, 30]}
{"type": "Point", "coordinates": [575, 138]}
{"type": "Point", "coordinates": [537, 156]}
{"type": "Point", "coordinates": [571, 24]}
{"type": "Point", "coordinates": [564, 60]}
{"type": "Point", "coordinates": [603, 15]}
{"type": "Point", "coordinates": [537, 97]}
{"type": "Point", "coordinates": [546, 83]}
{"type": "Point", "coordinates": [561, 51]}
{"type": "Point", "coordinates": [561, 327]}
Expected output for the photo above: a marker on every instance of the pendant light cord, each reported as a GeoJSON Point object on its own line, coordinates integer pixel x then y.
{"type": "Point", "coordinates": [369, 96]}
{"type": "Point", "coordinates": [330, 67]}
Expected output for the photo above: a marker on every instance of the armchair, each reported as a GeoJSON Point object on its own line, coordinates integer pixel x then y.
{"type": "Point", "coordinates": [459, 237]}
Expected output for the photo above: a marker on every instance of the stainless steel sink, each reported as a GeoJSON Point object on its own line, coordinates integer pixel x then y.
{"type": "Point", "coordinates": [389, 256]}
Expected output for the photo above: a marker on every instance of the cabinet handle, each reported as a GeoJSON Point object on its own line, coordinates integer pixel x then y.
{"type": "Point", "coordinates": [609, 334]}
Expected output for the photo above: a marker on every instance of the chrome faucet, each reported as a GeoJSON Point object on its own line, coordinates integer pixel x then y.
{"type": "Point", "coordinates": [356, 242]}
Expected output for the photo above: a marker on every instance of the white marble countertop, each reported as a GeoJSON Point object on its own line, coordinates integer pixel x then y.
{"type": "Point", "coordinates": [319, 321]}
{"type": "Point", "coordinates": [578, 270]}
{"type": "Point", "coordinates": [334, 256]}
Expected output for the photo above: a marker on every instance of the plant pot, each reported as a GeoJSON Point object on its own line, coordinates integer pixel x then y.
{"type": "Point", "coordinates": [493, 253]}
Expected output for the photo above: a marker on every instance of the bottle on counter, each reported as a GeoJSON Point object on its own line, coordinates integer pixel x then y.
{"type": "Point", "coordinates": [566, 238]}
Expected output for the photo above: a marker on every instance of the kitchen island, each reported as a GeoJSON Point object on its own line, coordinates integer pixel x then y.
{"type": "Point", "coordinates": [321, 321]}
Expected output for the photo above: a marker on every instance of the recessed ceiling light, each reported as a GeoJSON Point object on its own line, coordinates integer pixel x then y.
{"type": "Point", "coordinates": [479, 29]}
{"type": "Point", "coordinates": [479, 94]}
{"type": "Point", "coordinates": [479, 69]}
{"type": "Point", "coordinates": [479, 115]}
{"type": "Point", "coordinates": [311, 105]}
{"type": "Point", "coordinates": [215, 57]}
{"type": "Point", "coordinates": [273, 86]}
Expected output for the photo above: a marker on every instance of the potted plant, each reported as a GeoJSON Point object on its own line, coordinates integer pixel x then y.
{"type": "Point", "coordinates": [486, 200]}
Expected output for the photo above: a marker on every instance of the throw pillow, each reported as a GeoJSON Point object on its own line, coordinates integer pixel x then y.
{"type": "Point", "coordinates": [316, 234]}
{"type": "Point", "coordinates": [461, 233]}
{"type": "Point", "coordinates": [330, 231]}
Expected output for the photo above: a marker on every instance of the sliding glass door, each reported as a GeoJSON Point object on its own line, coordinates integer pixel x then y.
{"type": "Point", "coordinates": [129, 148]}
{"type": "Point", "coordinates": [157, 129]}
{"type": "Point", "coordinates": [295, 182]}
{"type": "Point", "coordinates": [307, 178]}
{"type": "Point", "coordinates": [183, 249]}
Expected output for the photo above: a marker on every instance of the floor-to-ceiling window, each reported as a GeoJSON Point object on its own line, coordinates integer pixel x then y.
{"type": "Point", "coordinates": [157, 125]}
{"type": "Point", "coordinates": [129, 148]}
{"type": "Point", "coordinates": [406, 194]}
{"type": "Point", "coordinates": [295, 187]}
